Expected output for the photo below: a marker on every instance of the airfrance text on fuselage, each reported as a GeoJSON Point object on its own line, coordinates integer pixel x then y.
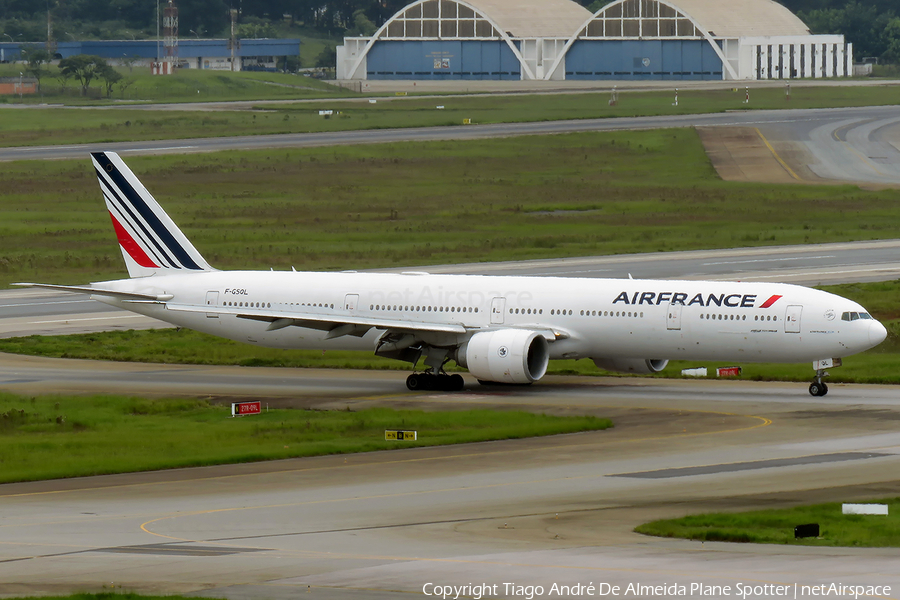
{"type": "Point", "coordinates": [658, 298]}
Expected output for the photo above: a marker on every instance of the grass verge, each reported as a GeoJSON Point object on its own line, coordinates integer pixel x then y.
{"type": "Point", "coordinates": [138, 86]}
{"type": "Point", "coordinates": [24, 126]}
{"type": "Point", "coordinates": [425, 203]}
{"type": "Point", "coordinates": [51, 437]}
{"type": "Point", "coordinates": [172, 346]}
{"type": "Point", "coordinates": [777, 526]}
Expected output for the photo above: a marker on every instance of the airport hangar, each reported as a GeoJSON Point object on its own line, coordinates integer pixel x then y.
{"type": "Point", "coordinates": [631, 40]}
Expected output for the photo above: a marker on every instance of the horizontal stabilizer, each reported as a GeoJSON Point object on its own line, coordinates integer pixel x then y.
{"type": "Point", "coordinates": [84, 289]}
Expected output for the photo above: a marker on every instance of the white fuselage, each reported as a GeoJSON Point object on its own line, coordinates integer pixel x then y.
{"type": "Point", "coordinates": [596, 318]}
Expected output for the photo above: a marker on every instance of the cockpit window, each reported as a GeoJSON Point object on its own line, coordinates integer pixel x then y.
{"type": "Point", "coordinates": [855, 316]}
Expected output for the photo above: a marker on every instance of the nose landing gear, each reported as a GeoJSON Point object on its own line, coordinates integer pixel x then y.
{"type": "Point", "coordinates": [818, 387]}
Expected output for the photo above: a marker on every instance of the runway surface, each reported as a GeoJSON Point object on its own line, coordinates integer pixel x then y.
{"type": "Point", "coordinates": [531, 512]}
{"type": "Point", "coordinates": [40, 312]}
{"type": "Point", "coordinates": [852, 144]}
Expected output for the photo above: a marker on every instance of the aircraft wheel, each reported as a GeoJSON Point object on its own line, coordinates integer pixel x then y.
{"type": "Point", "coordinates": [824, 390]}
{"type": "Point", "coordinates": [414, 382]}
{"type": "Point", "coordinates": [456, 383]}
{"type": "Point", "coordinates": [817, 389]}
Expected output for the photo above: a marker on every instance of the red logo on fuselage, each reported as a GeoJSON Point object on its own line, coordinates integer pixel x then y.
{"type": "Point", "coordinates": [771, 301]}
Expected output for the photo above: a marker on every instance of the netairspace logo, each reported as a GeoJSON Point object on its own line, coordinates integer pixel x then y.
{"type": "Point", "coordinates": [739, 590]}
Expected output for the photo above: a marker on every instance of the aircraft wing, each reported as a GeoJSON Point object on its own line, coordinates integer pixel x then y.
{"type": "Point", "coordinates": [340, 325]}
{"type": "Point", "coordinates": [337, 326]}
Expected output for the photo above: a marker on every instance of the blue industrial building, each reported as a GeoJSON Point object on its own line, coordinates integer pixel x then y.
{"type": "Point", "coordinates": [624, 40]}
{"type": "Point", "coordinates": [192, 53]}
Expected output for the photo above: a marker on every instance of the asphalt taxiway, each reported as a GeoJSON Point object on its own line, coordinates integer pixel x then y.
{"type": "Point", "coordinates": [846, 144]}
{"type": "Point", "coordinates": [537, 512]}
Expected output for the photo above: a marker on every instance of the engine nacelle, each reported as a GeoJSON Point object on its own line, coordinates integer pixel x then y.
{"type": "Point", "coordinates": [506, 356]}
{"type": "Point", "coordinates": [631, 365]}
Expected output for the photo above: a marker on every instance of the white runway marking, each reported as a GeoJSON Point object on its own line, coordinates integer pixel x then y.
{"type": "Point", "coordinates": [764, 260]}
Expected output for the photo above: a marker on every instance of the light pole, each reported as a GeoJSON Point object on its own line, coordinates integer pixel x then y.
{"type": "Point", "coordinates": [10, 38]}
{"type": "Point", "coordinates": [21, 82]}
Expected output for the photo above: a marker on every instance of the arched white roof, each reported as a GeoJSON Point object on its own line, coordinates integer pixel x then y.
{"type": "Point", "coordinates": [708, 18]}
{"type": "Point", "coordinates": [534, 18]}
{"type": "Point", "coordinates": [739, 18]}
{"type": "Point", "coordinates": [474, 19]}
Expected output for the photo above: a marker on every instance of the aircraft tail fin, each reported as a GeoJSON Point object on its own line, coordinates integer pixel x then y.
{"type": "Point", "coordinates": [150, 241]}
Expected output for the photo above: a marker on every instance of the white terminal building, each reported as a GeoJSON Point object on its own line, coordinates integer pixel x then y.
{"type": "Point", "coordinates": [733, 40]}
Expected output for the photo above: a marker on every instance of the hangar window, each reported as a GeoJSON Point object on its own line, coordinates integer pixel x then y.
{"type": "Point", "coordinates": [441, 19]}
{"type": "Point", "coordinates": [483, 29]}
{"type": "Point", "coordinates": [395, 29]}
{"type": "Point", "coordinates": [430, 29]}
{"type": "Point", "coordinates": [413, 28]}
{"type": "Point", "coordinates": [448, 9]}
{"type": "Point", "coordinates": [631, 8]}
{"type": "Point", "coordinates": [640, 19]}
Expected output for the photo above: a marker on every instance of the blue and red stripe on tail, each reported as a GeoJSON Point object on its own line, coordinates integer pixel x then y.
{"type": "Point", "coordinates": [150, 241]}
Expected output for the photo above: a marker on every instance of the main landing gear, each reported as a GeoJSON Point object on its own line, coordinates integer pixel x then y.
{"type": "Point", "coordinates": [818, 387]}
{"type": "Point", "coordinates": [429, 381]}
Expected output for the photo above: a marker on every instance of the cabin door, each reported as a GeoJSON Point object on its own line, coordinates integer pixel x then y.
{"type": "Point", "coordinates": [351, 301]}
{"type": "Point", "coordinates": [792, 319]}
{"type": "Point", "coordinates": [673, 318]}
{"type": "Point", "coordinates": [498, 308]}
{"type": "Point", "coordinates": [212, 300]}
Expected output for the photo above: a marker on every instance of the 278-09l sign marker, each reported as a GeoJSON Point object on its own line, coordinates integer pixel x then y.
{"type": "Point", "coordinates": [241, 409]}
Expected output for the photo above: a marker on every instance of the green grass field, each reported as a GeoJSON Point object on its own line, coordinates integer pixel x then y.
{"type": "Point", "coordinates": [185, 85]}
{"type": "Point", "coordinates": [171, 346]}
{"type": "Point", "coordinates": [23, 126]}
{"type": "Point", "coordinates": [49, 437]}
{"type": "Point", "coordinates": [426, 203]}
{"type": "Point", "coordinates": [777, 526]}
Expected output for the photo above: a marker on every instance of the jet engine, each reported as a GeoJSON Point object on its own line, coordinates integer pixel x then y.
{"type": "Point", "coordinates": [505, 356]}
{"type": "Point", "coordinates": [631, 365]}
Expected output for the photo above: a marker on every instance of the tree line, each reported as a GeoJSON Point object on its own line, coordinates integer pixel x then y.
{"type": "Point", "coordinates": [873, 26]}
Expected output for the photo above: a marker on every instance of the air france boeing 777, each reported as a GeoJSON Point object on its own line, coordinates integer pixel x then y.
{"type": "Point", "coordinates": [502, 329]}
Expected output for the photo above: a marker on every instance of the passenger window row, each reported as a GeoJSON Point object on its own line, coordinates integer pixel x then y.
{"type": "Point", "coordinates": [399, 308]}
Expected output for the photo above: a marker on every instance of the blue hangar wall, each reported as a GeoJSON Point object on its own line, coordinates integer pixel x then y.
{"type": "Point", "coordinates": [643, 59]}
{"type": "Point", "coordinates": [435, 59]}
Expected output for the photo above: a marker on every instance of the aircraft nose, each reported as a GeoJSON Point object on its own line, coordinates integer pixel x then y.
{"type": "Point", "coordinates": [877, 333]}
